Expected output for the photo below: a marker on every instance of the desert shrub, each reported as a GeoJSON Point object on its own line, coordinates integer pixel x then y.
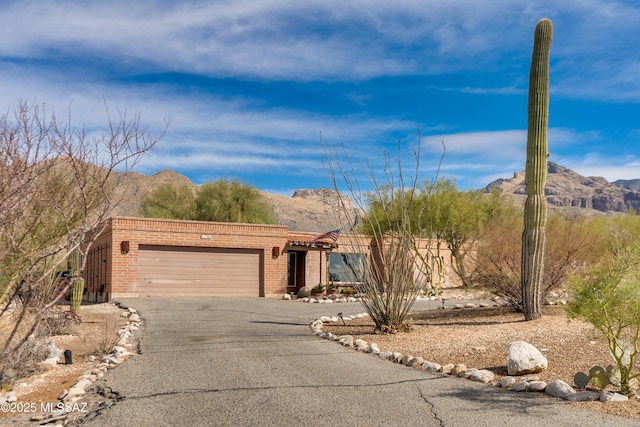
{"type": "Point", "coordinates": [25, 361]}
{"type": "Point", "coordinates": [58, 322]}
{"type": "Point", "coordinates": [104, 341]}
{"type": "Point", "coordinates": [395, 273]}
{"type": "Point", "coordinates": [571, 246]}
{"type": "Point", "coordinates": [608, 298]}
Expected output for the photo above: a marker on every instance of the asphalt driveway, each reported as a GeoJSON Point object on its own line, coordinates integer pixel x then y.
{"type": "Point", "coordinates": [254, 362]}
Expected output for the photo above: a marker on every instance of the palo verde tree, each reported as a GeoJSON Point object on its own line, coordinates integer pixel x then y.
{"type": "Point", "coordinates": [608, 298]}
{"type": "Point", "coordinates": [170, 201]}
{"type": "Point", "coordinates": [232, 201]}
{"type": "Point", "coordinates": [222, 200]}
{"type": "Point", "coordinates": [457, 218]}
{"type": "Point", "coordinates": [535, 210]}
{"type": "Point", "coordinates": [57, 188]}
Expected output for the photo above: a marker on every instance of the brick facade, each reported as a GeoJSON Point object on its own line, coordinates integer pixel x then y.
{"type": "Point", "coordinates": [112, 263]}
{"type": "Point", "coordinates": [113, 273]}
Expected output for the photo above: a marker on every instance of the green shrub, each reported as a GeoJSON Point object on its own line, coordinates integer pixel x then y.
{"type": "Point", "coordinates": [608, 298]}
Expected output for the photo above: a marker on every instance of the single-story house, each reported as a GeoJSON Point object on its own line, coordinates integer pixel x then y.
{"type": "Point", "coordinates": [142, 257]}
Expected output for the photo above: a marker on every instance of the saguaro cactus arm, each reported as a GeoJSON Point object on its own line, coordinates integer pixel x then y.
{"type": "Point", "coordinates": [535, 214]}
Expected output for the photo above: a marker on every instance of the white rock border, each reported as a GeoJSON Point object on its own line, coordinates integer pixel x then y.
{"type": "Point", "coordinates": [527, 383]}
{"type": "Point", "coordinates": [119, 354]}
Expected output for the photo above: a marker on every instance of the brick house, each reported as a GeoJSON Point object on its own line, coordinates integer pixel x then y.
{"type": "Point", "coordinates": [140, 257]}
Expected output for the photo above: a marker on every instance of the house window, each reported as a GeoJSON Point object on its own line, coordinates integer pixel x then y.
{"type": "Point", "coordinates": [292, 263]}
{"type": "Point", "coordinates": [347, 268]}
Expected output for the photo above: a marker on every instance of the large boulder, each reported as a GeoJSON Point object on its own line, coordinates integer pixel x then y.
{"type": "Point", "coordinates": [523, 358]}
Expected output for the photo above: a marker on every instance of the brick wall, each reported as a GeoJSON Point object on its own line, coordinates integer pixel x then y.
{"type": "Point", "coordinates": [110, 272]}
{"type": "Point", "coordinates": [122, 279]}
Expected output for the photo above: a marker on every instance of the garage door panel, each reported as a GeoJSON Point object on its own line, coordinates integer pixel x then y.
{"type": "Point", "coordinates": [198, 272]}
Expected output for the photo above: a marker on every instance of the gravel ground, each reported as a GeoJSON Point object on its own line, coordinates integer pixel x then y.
{"type": "Point", "coordinates": [479, 337]}
{"type": "Point", "coordinates": [88, 341]}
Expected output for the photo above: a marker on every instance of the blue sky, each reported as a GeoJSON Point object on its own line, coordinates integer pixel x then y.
{"type": "Point", "coordinates": [250, 84]}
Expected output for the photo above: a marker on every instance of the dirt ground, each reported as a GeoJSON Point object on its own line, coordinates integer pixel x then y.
{"type": "Point", "coordinates": [88, 342]}
{"type": "Point", "coordinates": [479, 337]}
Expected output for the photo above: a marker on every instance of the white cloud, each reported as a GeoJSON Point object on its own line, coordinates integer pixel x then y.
{"type": "Point", "coordinates": [611, 167]}
{"type": "Point", "coordinates": [611, 172]}
{"type": "Point", "coordinates": [320, 40]}
{"type": "Point", "coordinates": [491, 145]}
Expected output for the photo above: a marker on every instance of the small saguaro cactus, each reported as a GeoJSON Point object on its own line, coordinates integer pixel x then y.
{"type": "Point", "coordinates": [535, 211]}
{"type": "Point", "coordinates": [77, 290]}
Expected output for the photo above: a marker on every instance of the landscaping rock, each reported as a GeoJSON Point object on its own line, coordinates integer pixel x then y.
{"type": "Point", "coordinates": [520, 385]}
{"type": "Point", "coordinates": [455, 371]}
{"type": "Point", "coordinates": [387, 355]}
{"type": "Point", "coordinates": [346, 340]}
{"type": "Point", "coordinates": [483, 376]}
{"type": "Point", "coordinates": [536, 386]}
{"type": "Point", "coordinates": [431, 367]}
{"type": "Point", "coordinates": [584, 396]}
{"type": "Point", "coordinates": [406, 359]}
{"type": "Point", "coordinates": [559, 389]}
{"type": "Point", "coordinates": [446, 369]}
{"type": "Point", "coordinates": [507, 382]}
{"type": "Point", "coordinates": [372, 348]}
{"type": "Point", "coordinates": [416, 361]}
{"type": "Point", "coordinates": [466, 374]}
{"type": "Point", "coordinates": [523, 358]}
{"type": "Point", "coordinates": [607, 396]}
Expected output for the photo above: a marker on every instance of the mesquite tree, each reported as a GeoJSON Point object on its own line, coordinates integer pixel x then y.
{"type": "Point", "coordinates": [535, 212]}
{"type": "Point", "coordinates": [57, 188]}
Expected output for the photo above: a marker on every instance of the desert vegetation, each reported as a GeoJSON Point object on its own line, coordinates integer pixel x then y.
{"type": "Point", "coordinates": [56, 189]}
{"type": "Point", "coordinates": [222, 200]}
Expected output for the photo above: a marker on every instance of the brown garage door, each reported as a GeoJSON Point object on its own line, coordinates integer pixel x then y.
{"type": "Point", "coordinates": [198, 272]}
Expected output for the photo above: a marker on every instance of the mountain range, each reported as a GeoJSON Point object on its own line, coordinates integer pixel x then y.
{"type": "Point", "coordinates": [576, 193]}
{"type": "Point", "coordinates": [315, 210]}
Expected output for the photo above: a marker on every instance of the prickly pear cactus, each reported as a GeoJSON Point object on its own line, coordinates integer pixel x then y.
{"type": "Point", "coordinates": [581, 380]}
{"type": "Point", "coordinates": [599, 378]}
{"type": "Point", "coordinates": [535, 214]}
{"type": "Point", "coordinates": [77, 290]}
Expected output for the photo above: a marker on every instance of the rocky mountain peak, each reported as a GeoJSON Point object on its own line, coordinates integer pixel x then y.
{"type": "Point", "coordinates": [567, 188]}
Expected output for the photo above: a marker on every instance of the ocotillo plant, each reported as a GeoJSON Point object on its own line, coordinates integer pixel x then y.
{"type": "Point", "coordinates": [535, 212]}
{"type": "Point", "coordinates": [77, 290]}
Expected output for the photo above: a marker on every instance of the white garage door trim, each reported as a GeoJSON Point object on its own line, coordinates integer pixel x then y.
{"type": "Point", "coordinates": [176, 271]}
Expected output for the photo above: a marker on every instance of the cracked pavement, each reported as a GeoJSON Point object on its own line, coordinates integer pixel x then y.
{"type": "Point", "coordinates": [249, 362]}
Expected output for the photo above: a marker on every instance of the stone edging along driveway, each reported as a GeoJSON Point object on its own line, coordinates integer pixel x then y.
{"type": "Point", "coordinates": [530, 383]}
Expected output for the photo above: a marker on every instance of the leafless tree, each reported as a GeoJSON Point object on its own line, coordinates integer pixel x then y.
{"type": "Point", "coordinates": [398, 268]}
{"type": "Point", "coordinates": [57, 186]}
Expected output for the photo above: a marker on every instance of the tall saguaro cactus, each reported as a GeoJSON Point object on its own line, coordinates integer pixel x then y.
{"type": "Point", "coordinates": [535, 211]}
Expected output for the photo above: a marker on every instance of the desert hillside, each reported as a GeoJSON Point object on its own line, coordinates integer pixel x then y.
{"type": "Point", "coordinates": [317, 210]}
{"type": "Point", "coordinates": [570, 190]}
